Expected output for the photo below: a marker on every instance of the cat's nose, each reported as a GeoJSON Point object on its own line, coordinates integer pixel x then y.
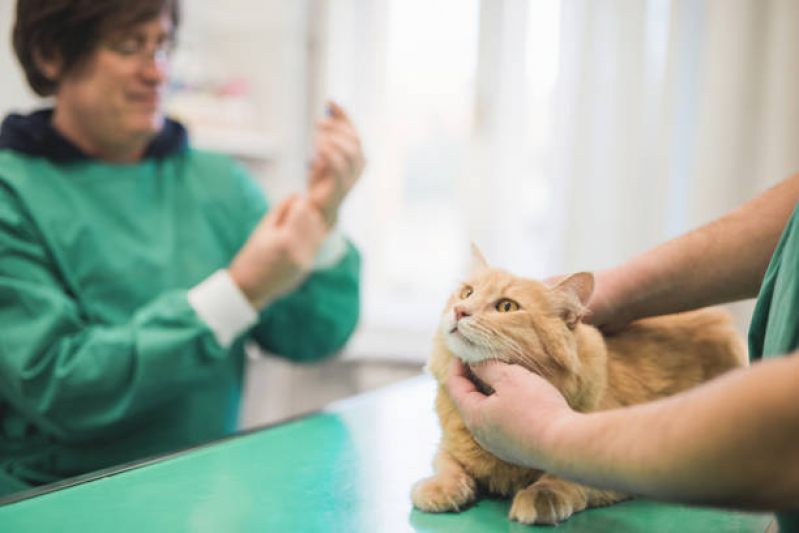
{"type": "Point", "coordinates": [461, 312]}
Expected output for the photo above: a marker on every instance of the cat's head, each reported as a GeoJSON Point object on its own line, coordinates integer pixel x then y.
{"type": "Point", "coordinates": [495, 315]}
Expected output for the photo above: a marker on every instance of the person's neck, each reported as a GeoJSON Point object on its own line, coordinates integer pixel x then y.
{"type": "Point", "coordinates": [128, 152]}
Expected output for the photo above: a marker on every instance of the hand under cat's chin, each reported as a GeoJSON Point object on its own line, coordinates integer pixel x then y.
{"type": "Point", "coordinates": [481, 385]}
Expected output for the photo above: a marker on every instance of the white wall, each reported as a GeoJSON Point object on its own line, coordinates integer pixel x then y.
{"type": "Point", "coordinates": [14, 93]}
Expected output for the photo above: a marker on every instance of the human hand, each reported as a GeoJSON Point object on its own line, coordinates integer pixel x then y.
{"type": "Point", "coordinates": [519, 421]}
{"type": "Point", "coordinates": [280, 251]}
{"type": "Point", "coordinates": [337, 165]}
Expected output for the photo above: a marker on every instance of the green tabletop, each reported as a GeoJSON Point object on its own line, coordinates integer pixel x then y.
{"type": "Point", "coordinates": [348, 468]}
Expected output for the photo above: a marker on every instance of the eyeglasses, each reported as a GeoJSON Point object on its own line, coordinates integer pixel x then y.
{"type": "Point", "coordinates": [139, 48]}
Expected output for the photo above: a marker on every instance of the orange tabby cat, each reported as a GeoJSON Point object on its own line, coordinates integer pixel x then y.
{"type": "Point", "coordinates": [496, 315]}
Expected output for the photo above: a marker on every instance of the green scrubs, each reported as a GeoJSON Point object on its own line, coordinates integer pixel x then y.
{"type": "Point", "coordinates": [775, 322]}
{"type": "Point", "coordinates": [102, 358]}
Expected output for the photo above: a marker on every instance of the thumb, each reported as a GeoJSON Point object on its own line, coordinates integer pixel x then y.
{"type": "Point", "coordinates": [465, 395]}
{"type": "Point", "coordinates": [334, 110]}
{"type": "Point", "coordinates": [277, 216]}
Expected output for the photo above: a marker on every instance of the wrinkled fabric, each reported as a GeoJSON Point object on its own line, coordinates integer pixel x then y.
{"type": "Point", "coordinates": [102, 359]}
{"type": "Point", "coordinates": [774, 331]}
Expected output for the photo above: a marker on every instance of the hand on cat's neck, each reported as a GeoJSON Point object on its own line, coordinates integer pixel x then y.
{"type": "Point", "coordinates": [481, 386]}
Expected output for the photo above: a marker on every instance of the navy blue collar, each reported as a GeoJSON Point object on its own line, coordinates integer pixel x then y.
{"type": "Point", "coordinates": [35, 135]}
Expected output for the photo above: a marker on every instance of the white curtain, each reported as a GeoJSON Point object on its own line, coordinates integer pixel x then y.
{"type": "Point", "coordinates": [663, 115]}
{"type": "Point", "coordinates": [671, 113]}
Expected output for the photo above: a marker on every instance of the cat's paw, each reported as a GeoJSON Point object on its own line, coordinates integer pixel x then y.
{"type": "Point", "coordinates": [547, 501]}
{"type": "Point", "coordinates": [438, 494]}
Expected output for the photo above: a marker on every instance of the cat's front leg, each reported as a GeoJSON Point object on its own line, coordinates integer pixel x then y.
{"type": "Point", "coordinates": [450, 489]}
{"type": "Point", "coordinates": [551, 500]}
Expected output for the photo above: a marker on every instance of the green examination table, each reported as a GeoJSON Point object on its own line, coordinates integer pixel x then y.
{"type": "Point", "coordinates": [348, 468]}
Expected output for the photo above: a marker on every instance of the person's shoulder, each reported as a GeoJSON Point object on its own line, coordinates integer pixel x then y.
{"type": "Point", "coordinates": [214, 167]}
{"type": "Point", "coordinates": [219, 175]}
{"type": "Point", "coordinates": [19, 175]}
{"type": "Point", "coordinates": [16, 167]}
{"type": "Point", "coordinates": [10, 158]}
{"type": "Point", "coordinates": [208, 161]}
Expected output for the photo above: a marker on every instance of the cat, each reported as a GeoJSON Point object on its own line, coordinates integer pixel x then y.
{"type": "Point", "coordinates": [496, 315]}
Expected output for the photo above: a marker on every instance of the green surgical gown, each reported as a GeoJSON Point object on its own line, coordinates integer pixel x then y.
{"type": "Point", "coordinates": [102, 359]}
{"type": "Point", "coordinates": [775, 323]}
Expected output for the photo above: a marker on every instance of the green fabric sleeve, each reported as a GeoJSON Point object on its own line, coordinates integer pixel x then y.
{"type": "Point", "coordinates": [78, 380]}
{"type": "Point", "coordinates": [774, 330]}
{"type": "Point", "coordinates": [318, 318]}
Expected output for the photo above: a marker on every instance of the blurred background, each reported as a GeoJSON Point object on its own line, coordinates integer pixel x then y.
{"type": "Point", "coordinates": [558, 135]}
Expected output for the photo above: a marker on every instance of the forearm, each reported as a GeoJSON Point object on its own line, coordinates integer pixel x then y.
{"type": "Point", "coordinates": [720, 262]}
{"type": "Point", "coordinates": [711, 445]}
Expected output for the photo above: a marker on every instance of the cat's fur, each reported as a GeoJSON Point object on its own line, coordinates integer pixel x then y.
{"type": "Point", "coordinates": [649, 359]}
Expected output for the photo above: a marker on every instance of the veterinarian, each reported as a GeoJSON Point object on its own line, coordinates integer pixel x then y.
{"type": "Point", "coordinates": [133, 267]}
{"type": "Point", "coordinates": [731, 442]}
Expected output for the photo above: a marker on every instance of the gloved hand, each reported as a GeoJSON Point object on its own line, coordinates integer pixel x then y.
{"type": "Point", "coordinates": [280, 251]}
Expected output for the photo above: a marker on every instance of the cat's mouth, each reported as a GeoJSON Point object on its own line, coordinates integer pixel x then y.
{"type": "Point", "coordinates": [461, 336]}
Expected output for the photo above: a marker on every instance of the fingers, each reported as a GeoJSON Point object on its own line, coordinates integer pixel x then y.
{"type": "Point", "coordinates": [343, 156]}
{"type": "Point", "coordinates": [277, 215]}
{"type": "Point", "coordinates": [335, 125]}
{"type": "Point", "coordinates": [297, 218]}
{"type": "Point", "coordinates": [345, 144]}
{"type": "Point", "coordinates": [303, 215]}
{"type": "Point", "coordinates": [462, 390]}
{"type": "Point", "coordinates": [459, 368]}
{"type": "Point", "coordinates": [336, 111]}
{"type": "Point", "coordinates": [341, 139]}
{"type": "Point", "coordinates": [338, 129]}
{"type": "Point", "coordinates": [330, 151]}
{"type": "Point", "coordinates": [337, 121]}
{"type": "Point", "coordinates": [338, 162]}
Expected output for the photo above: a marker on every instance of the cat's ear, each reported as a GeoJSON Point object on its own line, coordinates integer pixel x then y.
{"type": "Point", "coordinates": [478, 261]}
{"type": "Point", "coordinates": [573, 293]}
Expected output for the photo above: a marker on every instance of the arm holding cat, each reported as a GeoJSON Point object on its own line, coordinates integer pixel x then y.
{"type": "Point", "coordinates": [720, 262]}
{"type": "Point", "coordinates": [726, 453]}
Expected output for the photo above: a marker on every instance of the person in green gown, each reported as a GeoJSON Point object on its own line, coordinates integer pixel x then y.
{"type": "Point", "coordinates": [731, 442]}
{"type": "Point", "coordinates": [133, 267]}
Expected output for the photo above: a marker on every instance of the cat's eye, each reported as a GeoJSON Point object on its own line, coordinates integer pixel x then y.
{"type": "Point", "coordinates": [506, 305]}
{"type": "Point", "coordinates": [466, 292]}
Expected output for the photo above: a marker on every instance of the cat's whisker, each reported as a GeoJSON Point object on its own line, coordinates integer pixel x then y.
{"type": "Point", "coordinates": [504, 348]}
{"type": "Point", "coordinates": [500, 346]}
{"type": "Point", "coordinates": [521, 355]}
{"type": "Point", "coordinates": [484, 338]}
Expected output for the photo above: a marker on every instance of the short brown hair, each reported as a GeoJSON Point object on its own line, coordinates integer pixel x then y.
{"type": "Point", "coordinates": [71, 30]}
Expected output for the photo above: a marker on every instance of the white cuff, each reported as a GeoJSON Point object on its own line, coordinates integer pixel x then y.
{"type": "Point", "coordinates": [331, 251]}
{"type": "Point", "coordinates": [222, 305]}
